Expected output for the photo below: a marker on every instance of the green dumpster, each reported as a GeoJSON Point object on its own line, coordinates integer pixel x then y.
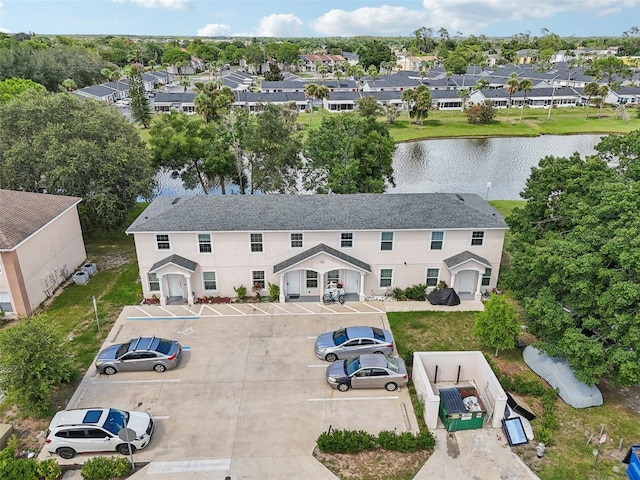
{"type": "Point", "coordinates": [461, 409]}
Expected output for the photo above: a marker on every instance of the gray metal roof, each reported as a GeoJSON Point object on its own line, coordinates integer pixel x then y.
{"type": "Point", "coordinates": [176, 260]}
{"type": "Point", "coordinates": [322, 248]}
{"type": "Point", "coordinates": [277, 212]}
{"type": "Point", "coordinates": [465, 257]}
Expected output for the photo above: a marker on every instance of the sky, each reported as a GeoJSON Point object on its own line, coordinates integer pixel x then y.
{"type": "Point", "coordinates": [318, 18]}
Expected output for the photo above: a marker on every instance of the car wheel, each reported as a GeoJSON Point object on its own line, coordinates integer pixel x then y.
{"type": "Point", "coordinates": [331, 357]}
{"type": "Point", "coordinates": [123, 449]}
{"type": "Point", "coordinates": [158, 367]}
{"type": "Point", "coordinates": [343, 387]}
{"type": "Point", "coordinates": [391, 387]}
{"type": "Point", "coordinates": [326, 298]}
{"type": "Point", "coordinates": [109, 370]}
{"type": "Point", "coordinates": [341, 299]}
{"type": "Point", "coordinates": [66, 452]}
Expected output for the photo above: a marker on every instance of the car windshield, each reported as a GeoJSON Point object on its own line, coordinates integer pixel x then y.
{"type": "Point", "coordinates": [124, 348]}
{"type": "Point", "coordinates": [116, 421]}
{"type": "Point", "coordinates": [351, 366]}
{"type": "Point", "coordinates": [340, 336]}
{"type": "Point", "coordinates": [164, 346]}
{"type": "Point", "coordinates": [392, 363]}
{"type": "Point", "coordinates": [378, 333]}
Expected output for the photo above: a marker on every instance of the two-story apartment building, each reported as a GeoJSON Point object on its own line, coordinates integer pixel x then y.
{"type": "Point", "coordinates": [195, 246]}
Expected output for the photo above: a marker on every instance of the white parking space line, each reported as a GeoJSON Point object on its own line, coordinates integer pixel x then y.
{"type": "Point", "coordinates": [236, 309]}
{"type": "Point", "coordinates": [258, 308]}
{"type": "Point", "coordinates": [171, 314]}
{"type": "Point", "coordinates": [213, 310]}
{"type": "Point", "coordinates": [283, 309]}
{"type": "Point", "coordinates": [113, 382]}
{"type": "Point", "coordinates": [351, 399]}
{"type": "Point", "coordinates": [161, 417]}
{"type": "Point", "coordinates": [353, 309]}
{"type": "Point", "coordinates": [182, 466]}
{"type": "Point", "coordinates": [305, 309]}
{"type": "Point", "coordinates": [324, 306]}
{"type": "Point", "coordinates": [143, 311]}
{"type": "Point", "coordinates": [374, 308]}
{"type": "Point", "coordinates": [317, 366]}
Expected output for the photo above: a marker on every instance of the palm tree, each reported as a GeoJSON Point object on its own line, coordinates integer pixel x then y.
{"type": "Point", "coordinates": [372, 71]}
{"type": "Point", "coordinates": [323, 70]}
{"type": "Point", "coordinates": [513, 84]}
{"type": "Point", "coordinates": [464, 94]}
{"type": "Point", "coordinates": [322, 92]}
{"type": "Point", "coordinates": [338, 74]}
{"type": "Point", "coordinates": [408, 96]}
{"type": "Point", "coordinates": [151, 64]}
{"type": "Point", "coordinates": [603, 91]}
{"type": "Point", "coordinates": [68, 85]}
{"type": "Point", "coordinates": [310, 91]}
{"type": "Point", "coordinates": [525, 86]}
{"type": "Point", "coordinates": [591, 89]}
{"type": "Point", "coordinates": [186, 83]}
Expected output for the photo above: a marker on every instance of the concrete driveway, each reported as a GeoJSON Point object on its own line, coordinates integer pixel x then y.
{"type": "Point", "coordinates": [249, 398]}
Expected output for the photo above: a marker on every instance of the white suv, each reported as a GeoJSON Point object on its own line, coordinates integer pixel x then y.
{"type": "Point", "coordinates": [96, 430]}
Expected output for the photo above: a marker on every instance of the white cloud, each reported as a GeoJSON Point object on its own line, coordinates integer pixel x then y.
{"type": "Point", "coordinates": [214, 30]}
{"type": "Point", "coordinates": [279, 25]}
{"type": "Point", "coordinates": [380, 21]}
{"type": "Point", "coordinates": [473, 16]}
{"type": "Point", "coordinates": [169, 4]}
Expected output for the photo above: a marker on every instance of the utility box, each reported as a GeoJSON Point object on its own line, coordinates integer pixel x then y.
{"type": "Point", "coordinates": [80, 277]}
{"type": "Point", "coordinates": [461, 409]}
{"type": "Point", "coordinates": [90, 268]}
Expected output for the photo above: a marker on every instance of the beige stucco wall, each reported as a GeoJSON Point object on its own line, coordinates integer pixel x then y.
{"type": "Point", "coordinates": [56, 247]}
{"type": "Point", "coordinates": [473, 368]}
{"type": "Point", "coordinates": [233, 262]}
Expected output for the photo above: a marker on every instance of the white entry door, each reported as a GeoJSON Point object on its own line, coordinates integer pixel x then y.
{"type": "Point", "coordinates": [352, 281]}
{"type": "Point", "coordinates": [293, 283]}
{"type": "Point", "coordinates": [175, 285]}
{"type": "Point", "coordinates": [466, 281]}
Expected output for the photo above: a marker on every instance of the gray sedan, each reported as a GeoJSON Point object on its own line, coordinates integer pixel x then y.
{"type": "Point", "coordinates": [368, 371]}
{"type": "Point", "coordinates": [353, 341]}
{"type": "Point", "coordinates": [142, 353]}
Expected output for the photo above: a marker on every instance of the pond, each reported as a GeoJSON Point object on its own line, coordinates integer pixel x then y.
{"type": "Point", "coordinates": [461, 165]}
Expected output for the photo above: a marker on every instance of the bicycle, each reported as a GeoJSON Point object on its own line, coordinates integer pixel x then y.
{"type": "Point", "coordinates": [333, 294]}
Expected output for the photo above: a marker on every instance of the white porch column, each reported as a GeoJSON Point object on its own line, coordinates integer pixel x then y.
{"type": "Point", "coordinates": [361, 289]}
{"type": "Point", "coordinates": [189, 291]}
{"type": "Point", "coordinates": [163, 299]}
{"type": "Point", "coordinates": [479, 286]}
{"type": "Point", "coordinates": [282, 293]}
{"type": "Point", "coordinates": [321, 284]}
{"type": "Point", "coordinates": [453, 279]}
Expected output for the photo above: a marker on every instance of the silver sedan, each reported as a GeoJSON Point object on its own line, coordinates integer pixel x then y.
{"type": "Point", "coordinates": [368, 371]}
{"type": "Point", "coordinates": [353, 341]}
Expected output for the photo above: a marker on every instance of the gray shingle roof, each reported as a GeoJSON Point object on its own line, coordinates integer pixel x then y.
{"type": "Point", "coordinates": [275, 212]}
{"type": "Point", "coordinates": [176, 260]}
{"type": "Point", "coordinates": [464, 257]}
{"type": "Point", "coordinates": [322, 248]}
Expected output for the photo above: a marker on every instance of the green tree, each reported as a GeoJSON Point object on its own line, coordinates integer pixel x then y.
{"type": "Point", "coordinates": [68, 85]}
{"type": "Point", "coordinates": [512, 86]}
{"type": "Point", "coordinates": [483, 113]}
{"type": "Point", "coordinates": [498, 325]}
{"type": "Point", "coordinates": [12, 87]}
{"type": "Point", "coordinates": [576, 260]}
{"type": "Point", "coordinates": [591, 90]}
{"type": "Point", "coordinates": [368, 106]}
{"type": "Point", "coordinates": [349, 153]}
{"type": "Point", "coordinates": [524, 86]}
{"type": "Point", "coordinates": [173, 55]}
{"type": "Point", "coordinates": [374, 52]}
{"type": "Point", "coordinates": [33, 360]}
{"type": "Point", "coordinates": [59, 143]}
{"type": "Point", "coordinates": [193, 150]}
{"type": "Point", "coordinates": [391, 111]}
{"type": "Point", "coordinates": [456, 63]}
{"type": "Point", "coordinates": [273, 146]}
{"type": "Point", "coordinates": [139, 102]}
{"type": "Point", "coordinates": [273, 74]}
{"type": "Point", "coordinates": [611, 69]}
{"type": "Point", "coordinates": [212, 101]}
{"type": "Point", "coordinates": [421, 104]}
{"type": "Point", "coordinates": [311, 91]}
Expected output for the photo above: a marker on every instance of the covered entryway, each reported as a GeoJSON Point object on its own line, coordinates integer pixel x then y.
{"type": "Point", "coordinates": [174, 276]}
{"type": "Point", "coordinates": [305, 276]}
{"type": "Point", "coordinates": [468, 271]}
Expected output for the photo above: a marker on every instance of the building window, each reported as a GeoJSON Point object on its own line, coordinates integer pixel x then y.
{"type": "Point", "coordinates": [162, 242]}
{"type": "Point", "coordinates": [256, 242]}
{"type": "Point", "coordinates": [386, 275]}
{"type": "Point", "coordinates": [333, 276]}
{"type": "Point", "coordinates": [432, 277]}
{"type": "Point", "coordinates": [154, 282]}
{"type": "Point", "coordinates": [477, 238]}
{"type": "Point", "coordinates": [437, 239]}
{"type": "Point", "coordinates": [312, 279]}
{"type": "Point", "coordinates": [204, 242]}
{"type": "Point", "coordinates": [5, 302]}
{"type": "Point", "coordinates": [296, 240]}
{"type": "Point", "coordinates": [209, 280]}
{"type": "Point", "coordinates": [258, 279]}
{"type": "Point", "coordinates": [346, 240]}
{"type": "Point", "coordinates": [486, 277]}
{"type": "Point", "coordinates": [386, 241]}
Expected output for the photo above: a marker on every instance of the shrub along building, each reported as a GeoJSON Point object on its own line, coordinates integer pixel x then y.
{"type": "Point", "coordinates": [195, 246]}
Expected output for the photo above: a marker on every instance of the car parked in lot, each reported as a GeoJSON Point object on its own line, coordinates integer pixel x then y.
{"type": "Point", "coordinates": [86, 430]}
{"type": "Point", "coordinates": [350, 342]}
{"type": "Point", "coordinates": [368, 371]}
{"type": "Point", "coordinates": [142, 353]}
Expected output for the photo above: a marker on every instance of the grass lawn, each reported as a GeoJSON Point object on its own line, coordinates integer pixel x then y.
{"type": "Point", "coordinates": [570, 457]}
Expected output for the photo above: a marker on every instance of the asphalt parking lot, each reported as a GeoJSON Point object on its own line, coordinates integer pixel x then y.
{"type": "Point", "coordinates": [249, 397]}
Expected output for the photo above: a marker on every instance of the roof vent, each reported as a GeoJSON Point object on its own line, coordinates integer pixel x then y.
{"type": "Point", "coordinates": [175, 200]}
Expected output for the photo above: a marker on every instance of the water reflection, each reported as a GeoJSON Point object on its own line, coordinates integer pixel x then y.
{"type": "Point", "coordinates": [467, 165]}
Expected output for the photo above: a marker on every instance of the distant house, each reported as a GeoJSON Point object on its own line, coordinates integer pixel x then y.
{"type": "Point", "coordinates": [41, 245]}
{"type": "Point", "coordinates": [97, 92]}
{"type": "Point", "coordinates": [194, 246]}
{"type": "Point", "coordinates": [179, 102]}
